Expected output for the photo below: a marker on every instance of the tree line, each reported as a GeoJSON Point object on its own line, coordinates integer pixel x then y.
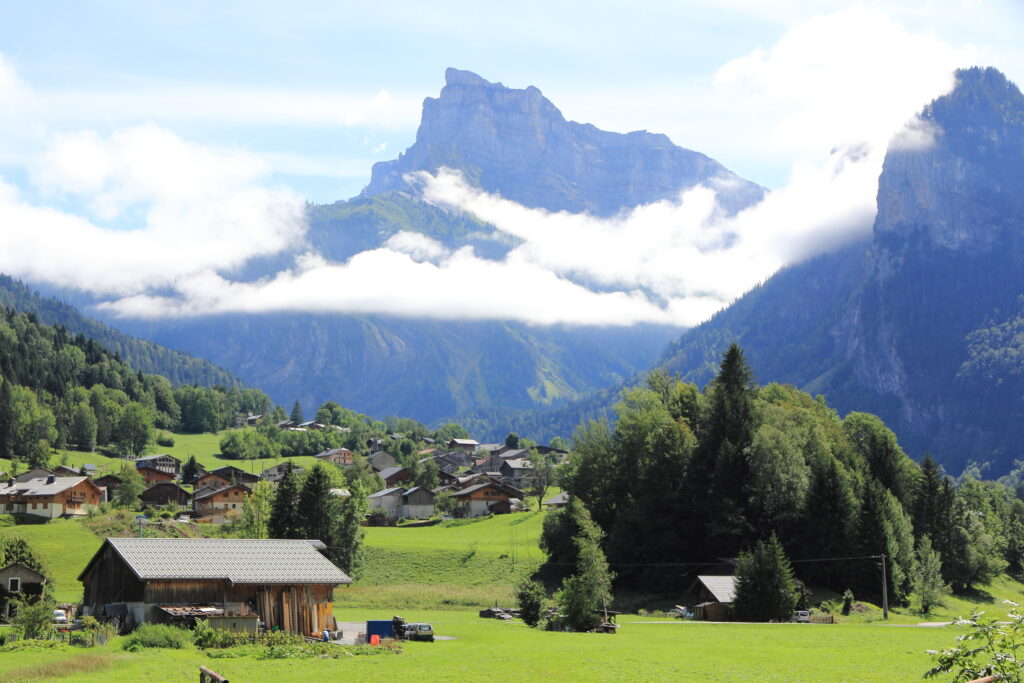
{"type": "Point", "coordinates": [688, 477]}
{"type": "Point", "coordinates": [59, 390]}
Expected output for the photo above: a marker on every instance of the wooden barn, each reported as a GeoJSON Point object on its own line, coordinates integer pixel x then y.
{"type": "Point", "coordinates": [286, 584]}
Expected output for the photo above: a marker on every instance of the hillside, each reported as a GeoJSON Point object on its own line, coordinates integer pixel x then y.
{"type": "Point", "coordinates": [144, 356]}
{"type": "Point", "coordinates": [917, 326]}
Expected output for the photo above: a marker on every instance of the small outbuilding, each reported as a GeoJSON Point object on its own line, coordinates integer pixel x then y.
{"type": "Point", "coordinates": [17, 580]}
{"type": "Point", "coordinates": [715, 595]}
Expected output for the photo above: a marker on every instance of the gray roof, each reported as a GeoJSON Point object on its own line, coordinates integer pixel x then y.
{"type": "Point", "coordinates": [237, 560]}
{"type": "Point", "coordinates": [558, 499]}
{"type": "Point", "coordinates": [465, 442]}
{"type": "Point", "coordinates": [390, 471]}
{"type": "Point", "coordinates": [40, 487]}
{"type": "Point", "coordinates": [520, 464]}
{"type": "Point", "coordinates": [387, 492]}
{"type": "Point", "coordinates": [722, 587]}
{"type": "Point", "coordinates": [155, 457]}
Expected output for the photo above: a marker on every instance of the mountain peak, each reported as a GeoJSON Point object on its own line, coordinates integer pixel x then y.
{"type": "Point", "coordinates": [516, 143]}
{"type": "Point", "coordinates": [453, 76]}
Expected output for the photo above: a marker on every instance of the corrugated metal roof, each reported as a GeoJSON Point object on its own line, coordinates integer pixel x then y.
{"type": "Point", "coordinates": [386, 492]}
{"type": "Point", "coordinates": [722, 587]}
{"type": "Point", "coordinates": [238, 560]}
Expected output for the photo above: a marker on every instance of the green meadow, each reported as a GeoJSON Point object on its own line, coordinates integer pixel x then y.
{"type": "Point", "coordinates": [494, 650]}
{"type": "Point", "coordinates": [206, 448]}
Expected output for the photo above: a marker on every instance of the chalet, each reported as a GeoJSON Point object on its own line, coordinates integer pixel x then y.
{"type": "Point", "coordinates": [164, 461]}
{"type": "Point", "coordinates": [153, 475]}
{"type": "Point", "coordinates": [381, 460]}
{"type": "Point", "coordinates": [311, 424]}
{"type": "Point", "coordinates": [514, 453]}
{"type": "Point", "coordinates": [34, 473]}
{"type": "Point", "coordinates": [211, 501]}
{"type": "Point", "coordinates": [213, 480]}
{"type": "Point", "coordinates": [50, 497]}
{"type": "Point", "coordinates": [89, 468]}
{"type": "Point", "coordinates": [393, 476]}
{"type": "Point", "coordinates": [715, 595]}
{"type": "Point", "coordinates": [249, 420]}
{"type": "Point", "coordinates": [387, 502]}
{"type": "Point", "coordinates": [477, 500]}
{"type": "Point", "coordinates": [516, 472]}
{"type": "Point", "coordinates": [165, 493]}
{"type": "Point", "coordinates": [17, 580]}
{"type": "Point", "coordinates": [286, 584]}
{"type": "Point", "coordinates": [342, 457]}
{"type": "Point", "coordinates": [276, 473]}
{"type": "Point", "coordinates": [446, 478]}
{"type": "Point", "coordinates": [109, 482]}
{"type": "Point", "coordinates": [235, 475]}
{"type": "Point", "coordinates": [559, 500]}
{"type": "Point", "coordinates": [418, 503]}
{"type": "Point", "coordinates": [493, 448]}
{"type": "Point", "coordinates": [65, 471]}
{"type": "Point", "coordinates": [287, 424]}
{"type": "Point", "coordinates": [467, 445]}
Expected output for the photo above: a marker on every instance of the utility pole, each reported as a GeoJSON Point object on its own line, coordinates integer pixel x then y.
{"type": "Point", "coordinates": [885, 590]}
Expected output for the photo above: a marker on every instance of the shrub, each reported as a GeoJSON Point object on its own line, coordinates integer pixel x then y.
{"type": "Point", "coordinates": [530, 596]}
{"type": "Point", "coordinates": [988, 648]}
{"type": "Point", "coordinates": [83, 638]}
{"type": "Point", "coordinates": [165, 440]}
{"type": "Point", "coordinates": [34, 620]}
{"type": "Point", "coordinates": [155, 635]}
{"type": "Point", "coordinates": [847, 602]}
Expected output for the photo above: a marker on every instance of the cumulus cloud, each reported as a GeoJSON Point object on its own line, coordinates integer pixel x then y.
{"type": "Point", "coordinates": [833, 92]}
{"type": "Point", "coordinates": [195, 208]}
{"type": "Point", "coordinates": [847, 76]}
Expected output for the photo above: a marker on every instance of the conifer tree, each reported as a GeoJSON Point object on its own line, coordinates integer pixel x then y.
{"type": "Point", "coordinates": [318, 507]}
{"type": "Point", "coordinates": [284, 516]}
{"type": "Point", "coordinates": [6, 419]}
{"type": "Point", "coordinates": [296, 415]}
{"type": "Point", "coordinates": [765, 586]}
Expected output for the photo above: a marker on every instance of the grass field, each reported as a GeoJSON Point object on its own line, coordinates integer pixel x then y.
{"type": "Point", "coordinates": [206, 448]}
{"type": "Point", "coordinates": [484, 648]}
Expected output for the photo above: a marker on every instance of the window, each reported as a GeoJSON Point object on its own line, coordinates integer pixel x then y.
{"type": "Point", "coordinates": [14, 585]}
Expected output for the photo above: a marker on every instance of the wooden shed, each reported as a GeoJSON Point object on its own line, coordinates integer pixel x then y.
{"type": "Point", "coordinates": [17, 580]}
{"type": "Point", "coordinates": [288, 584]}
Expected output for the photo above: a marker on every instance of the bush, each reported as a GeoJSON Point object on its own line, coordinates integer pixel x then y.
{"type": "Point", "coordinates": [34, 620]}
{"type": "Point", "coordinates": [165, 440]}
{"type": "Point", "coordinates": [155, 635]}
{"type": "Point", "coordinates": [847, 602]}
{"type": "Point", "coordinates": [530, 596]}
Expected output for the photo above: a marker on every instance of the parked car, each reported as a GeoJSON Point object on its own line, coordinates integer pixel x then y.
{"type": "Point", "coordinates": [60, 616]}
{"type": "Point", "coordinates": [802, 616]}
{"type": "Point", "coordinates": [419, 632]}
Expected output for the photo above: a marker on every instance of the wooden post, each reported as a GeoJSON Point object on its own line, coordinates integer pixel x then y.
{"type": "Point", "coordinates": [208, 676]}
{"type": "Point", "coordinates": [885, 591]}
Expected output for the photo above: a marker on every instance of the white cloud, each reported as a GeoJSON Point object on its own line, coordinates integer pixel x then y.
{"type": "Point", "coordinates": [383, 281]}
{"type": "Point", "coordinates": [196, 208]}
{"type": "Point", "coordinates": [845, 82]}
{"type": "Point", "coordinates": [849, 76]}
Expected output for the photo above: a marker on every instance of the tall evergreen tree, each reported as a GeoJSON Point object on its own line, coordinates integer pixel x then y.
{"type": "Point", "coordinates": [296, 415]}
{"type": "Point", "coordinates": [765, 585]}
{"type": "Point", "coordinates": [284, 516]}
{"type": "Point", "coordinates": [6, 419]}
{"type": "Point", "coordinates": [318, 507]}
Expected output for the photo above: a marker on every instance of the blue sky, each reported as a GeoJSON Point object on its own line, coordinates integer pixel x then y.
{"type": "Point", "coordinates": [151, 148]}
{"type": "Point", "coordinates": [604, 62]}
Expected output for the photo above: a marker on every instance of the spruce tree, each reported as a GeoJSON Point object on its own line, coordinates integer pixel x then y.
{"type": "Point", "coordinates": [296, 415]}
{"type": "Point", "coordinates": [765, 586]}
{"type": "Point", "coordinates": [284, 516]}
{"type": "Point", "coordinates": [318, 507]}
{"type": "Point", "coordinates": [6, 419]}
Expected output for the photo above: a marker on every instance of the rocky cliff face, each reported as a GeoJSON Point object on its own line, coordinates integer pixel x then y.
{"type": "Point", "coordinates": [948, 246]}
{"type": "Point", "coordinates": [921, 325]}
{"type": "Point", "coordinates": [517, 143]}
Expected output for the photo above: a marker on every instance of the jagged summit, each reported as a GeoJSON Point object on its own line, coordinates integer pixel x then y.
{"type": "Point", "coordinates": [515, 142]}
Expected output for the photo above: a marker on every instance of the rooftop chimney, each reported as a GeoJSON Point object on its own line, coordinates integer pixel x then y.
{"type": "Point", "coordinates": [12, 481]}
{"type": "Point", "coordinates": [52, 478]}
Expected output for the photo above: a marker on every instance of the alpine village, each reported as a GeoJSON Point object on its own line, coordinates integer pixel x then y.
{"type": "Point", "coordinates": [629, 416]}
